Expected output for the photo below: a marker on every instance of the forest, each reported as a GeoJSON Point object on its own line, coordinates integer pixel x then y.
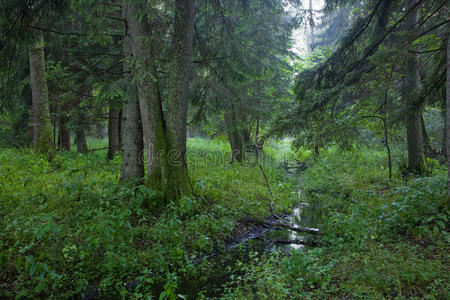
{"type": "Point", "coordinates": [224, 149]}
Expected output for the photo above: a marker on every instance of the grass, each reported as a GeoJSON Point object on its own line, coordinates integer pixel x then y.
{"type": "Point", "coordinates": [68, 227]}
{"type": "Point", "coordinates": [382, 240]}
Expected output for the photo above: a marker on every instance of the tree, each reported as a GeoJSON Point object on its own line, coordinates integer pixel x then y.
{"type": "Point", "coordinates": [447, 93]}
{"type": "Point", "coordinates": [42, 130]}
{"type": "Point", "coordinates": [410, 32]}
{"type": "Point", "coordinates": [113, 131]}
{"type": "Point", "coordinates": [133, 142]}
{"type": "Point", "coordinates": [243, 71]}
{"type": "Point", "coordinates": [177, 106]}
{"type": "Point", "coordinates": [416, 161]}
{"type": "Point", "coordinates": [164, 131]}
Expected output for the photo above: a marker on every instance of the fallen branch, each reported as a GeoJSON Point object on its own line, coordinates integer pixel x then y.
{"type": "Point", "coordinates": [293, 228]}
{"type": "Point", "coordinates": [295, 242]}
{"type": "Point", "coordinates": [286, 226]}
{"type": "Point", "coordinates": [258, 147]}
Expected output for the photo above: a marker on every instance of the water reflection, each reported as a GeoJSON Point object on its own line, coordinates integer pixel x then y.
{"type": "Point", "coordinates": [260, 239]}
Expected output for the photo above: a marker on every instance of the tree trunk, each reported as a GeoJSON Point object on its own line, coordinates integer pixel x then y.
{"type": "Point", "coordinates": [447, 93]}
{"type": "Point", "coordinates": [386, 135]}
{"type": "Point", "coordinates": [234, 137]}
{"type": "Point", "coordinates": [64, 132]}
{"type": "Point", "coordinates": [244, 128]}
{"type": "Point", "coordinates": [80, 121]}
{"type": "Point", "coordinates": [121, 129]}
{"type": "Point", "coordinates": [42, 128]}
{"type": "Point", "coordinates": [133, 140]}
{"type": "Point", "coordinates": [388, 148]}
{"type": "Point", "coordinates": [113, 132]}
{"type": "Point", "coordinates": [150, 105]}
{"type": "Point", "coordinates": [246, 137]}
{"type": "Point", "coordinates": [311, 27]}
{"type": "Point", "coordinates": [444, 136]}
{"type": "Point", "coordinates": [165, 135]}
{"type": "Point", "coordinates": [426, 139]}
{"type": "Point", "coordinates": [416, 162]}
{"type": "Point", "coordinates": [178, 178]}
{"type": "Point", "coordinates": [80, 140]}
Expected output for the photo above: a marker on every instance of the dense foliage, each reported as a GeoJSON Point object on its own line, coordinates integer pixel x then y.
{"type": "Point", "coordinates": [382, 241]}
{"type": "Point", "coordinates": [68, 225]}
{"type": "Point", "coordinates": [231, 149]}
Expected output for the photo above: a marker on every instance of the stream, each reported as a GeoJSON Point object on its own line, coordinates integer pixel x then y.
{"type": "Point", "coordinates": [260, 239]}
{"type": "Point", "coordinates": [218, 267]}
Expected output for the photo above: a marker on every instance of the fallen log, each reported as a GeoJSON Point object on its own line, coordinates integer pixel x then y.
{"type": "Point", "coordinates": [295, 242]}
{"type": "Point", "coordinates": [293, 228]}
{"type": "Point", "coordinates": [286, 226]}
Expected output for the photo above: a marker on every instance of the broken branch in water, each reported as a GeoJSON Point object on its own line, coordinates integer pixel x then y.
{"type": "Point", "coordinates": [295, 242]}
{"type": "Point", "coordinates": [287, 226]}
{"type": "Point", "coordinates": [293, 228]}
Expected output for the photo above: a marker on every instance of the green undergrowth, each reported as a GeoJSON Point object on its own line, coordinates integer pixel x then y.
{"type": "Point", "coordinates": [68, 228]}
{"type": "Point", "coordinates": [382, 239]}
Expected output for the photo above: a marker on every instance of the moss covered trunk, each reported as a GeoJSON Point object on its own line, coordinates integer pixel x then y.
{"type": "Point", "coordinates": [143, 37]}
{"type": "Point", "coordinates": [133, 141]}
{"type": "Point", "coordinates": [178, 183]}
{"type": "Point", "coordinates": [42, 129]}
{"type": "Point", "coordinates": [164, 132]}
{"type": "Point", "coordinates": [416, 161]}
{"type": "Point", "coordinates": [64, 131]}
{"type": "Point", "coordinates": [113, 132]}
{"type": "Point", "coordinates": [447, 95]}
{"type": "Point", "coordinates": [426, 139]}
{"type": "Point", "coordinates": [234, 137]}
{"type": "Point", "coordinates": [80, 141]}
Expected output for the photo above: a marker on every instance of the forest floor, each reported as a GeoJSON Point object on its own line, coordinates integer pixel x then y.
{"type": "Point", "coordinates": [68, 228]}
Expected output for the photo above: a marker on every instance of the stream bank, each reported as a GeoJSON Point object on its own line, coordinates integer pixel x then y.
{"type": "Point", "coordinates": [259, 239]}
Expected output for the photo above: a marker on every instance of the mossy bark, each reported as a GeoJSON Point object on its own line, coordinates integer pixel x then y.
{"type": "Point", "coordinates": [42, 129]}
{"type": "Point", "coordinates": [447, 95]}
{"type": "Point", "coordinates": [64, 131]}
{"type": "Point", "coordinates": [444, 135]}
{"type": "Point", "coordinates": [426, 139]}
{"type": "Point", "coordinates": [164, 132]}
{"type": "Point", "coordinates": [416, 161]}
{"type": "Point", "coordinates": [234, 137]}
{"type": "Point", "coordinates": [148, 94]}
{"type": "Point", "coordinates": [113, 132]}
{"type": "Point", "coordinates": [80, 141]}
{"type": "Point", "coordinates": [177, 106]}
{"type": "Point", "coordinates": [133, 140]}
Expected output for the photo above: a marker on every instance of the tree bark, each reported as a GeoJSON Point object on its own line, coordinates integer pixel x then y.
{"type": "Point", "coordinates": [165, 133]}
{"type": "Point", "coordinates": [113, 132]}
{"type": "Point", "coordinates": [178, 178]}
{"type": "Point", "coordinates": [426, 139]}
{"type": "Point", "coordinates": [121, 128]}
{"type": "Point", "coordinates": [42, 128]}
{"type": "Point", "coordinates": [234, 138]}
{"type": "Point", "coordinates": [311, 27]}
{"type": "Point", "coordinates": [416, 163]}
{"type": "Point", "coordinates": [64, 133]}
{"type": "Point", "coordinates": [133, 140]}
{"type": "Point", "coordinates": [444, 136]}
{"type": "Point", "coordinates": [80, 120]}
{"type": "Point", "coordinates": [246, 137]}
{"type": "Point", "coordinates": [386, 135]}
{"type": "Point", "coordinates": [144, 43]}
{"type": "Point", "coordinates": [80, 141]}
{"type": "Point", "coordinates": [447, 93]}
